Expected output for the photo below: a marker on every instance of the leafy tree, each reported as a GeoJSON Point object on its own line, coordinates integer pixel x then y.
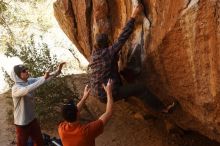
{"type": "Point", "coordinates": [16, 36]}
{"type": "Point", "coordinates": [20, 19]}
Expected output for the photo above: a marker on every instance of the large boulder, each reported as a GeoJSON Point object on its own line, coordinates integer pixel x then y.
{"type": "Point", "coordinates": [179, 42]}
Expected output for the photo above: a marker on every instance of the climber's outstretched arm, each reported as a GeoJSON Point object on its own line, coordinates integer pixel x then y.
{"type": "Point", "coordinates": [127, 30]}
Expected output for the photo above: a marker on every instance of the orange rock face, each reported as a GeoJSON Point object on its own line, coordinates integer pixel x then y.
{"type": "Point", "coordinates": [180, 50]}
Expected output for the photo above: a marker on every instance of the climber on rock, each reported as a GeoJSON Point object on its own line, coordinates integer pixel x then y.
{"type": "Point", "coordinates": [104, 65]}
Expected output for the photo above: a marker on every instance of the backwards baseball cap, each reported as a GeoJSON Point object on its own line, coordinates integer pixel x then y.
{"type": "Point", "coordinates": [18, 69]}
{"type": "Point", "coordinates": [69, 111]}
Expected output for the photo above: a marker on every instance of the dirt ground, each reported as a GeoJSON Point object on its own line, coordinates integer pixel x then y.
{"type": "Point", "coordinates": [128, 127]}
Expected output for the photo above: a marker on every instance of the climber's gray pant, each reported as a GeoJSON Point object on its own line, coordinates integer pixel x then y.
{"type": "Point", "coordinates": [141, 91]}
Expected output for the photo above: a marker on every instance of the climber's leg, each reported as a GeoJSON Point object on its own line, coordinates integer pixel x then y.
{"type": "Point", "coordinates": [152, 100]}
{"type": "Point", "coordinates": [130, 90]}
{"type": "Point", "coordinates": [141, 91]}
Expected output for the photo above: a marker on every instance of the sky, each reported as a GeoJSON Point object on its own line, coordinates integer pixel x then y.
{"type": "Point", "coordinates": [57, 42]}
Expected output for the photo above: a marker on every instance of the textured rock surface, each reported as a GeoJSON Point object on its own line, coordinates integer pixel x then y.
{"type": "Point", "coordinates": [179, 42]}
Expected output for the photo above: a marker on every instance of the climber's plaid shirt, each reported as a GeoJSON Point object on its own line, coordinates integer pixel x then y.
{"type": "Point", "coordinates": [104, 64]}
